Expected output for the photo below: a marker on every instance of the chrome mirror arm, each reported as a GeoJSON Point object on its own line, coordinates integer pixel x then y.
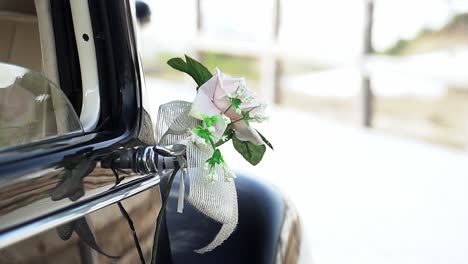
{"type": "Point", "coordinates": [146, 159]}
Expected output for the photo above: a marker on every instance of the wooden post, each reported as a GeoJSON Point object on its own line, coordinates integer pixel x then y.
{"type": "Point", "coordinates": [367, 100]}
{"type": "Point", "coordinates": [199, 21]}
{"type": "Point", "coordinates": [199, 16]}
{"type": "Point", "coordinates": [270, 65]}
{"type": "Point", "coordinates": [268, 78]}
{"type": "Point", "coordinates": [278, 64]}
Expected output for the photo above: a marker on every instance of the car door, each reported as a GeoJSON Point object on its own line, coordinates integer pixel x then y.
{"type": "Point", "coordinates": [59, 201]}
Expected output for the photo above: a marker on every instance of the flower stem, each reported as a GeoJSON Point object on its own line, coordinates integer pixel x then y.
{"type": "Point", "coordinates": [162, 211]}
{"type": "Point", "coordinates": [235, 121]}
{"type": "Point", "coordinates": [212, 143]}
{"type": "Point", "coordinates": [240, 119]}
{"type": "Point", "coordinates": [228, 109]}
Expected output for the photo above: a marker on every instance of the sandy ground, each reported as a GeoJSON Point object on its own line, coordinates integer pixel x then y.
{"type": "Point", "coordinates": [364, 197]}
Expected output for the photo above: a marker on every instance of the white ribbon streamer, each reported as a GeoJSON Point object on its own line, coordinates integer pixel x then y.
{"type": "Point", "coordinates": [180, 200]}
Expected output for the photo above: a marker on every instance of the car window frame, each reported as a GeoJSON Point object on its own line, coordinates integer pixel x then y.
{"type": "Point", "coordinates": [118, 66]}
{"type": "Point", "coordinates": [119, 73]}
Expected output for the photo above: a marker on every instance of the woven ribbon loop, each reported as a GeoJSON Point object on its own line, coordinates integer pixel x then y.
{"type": "Point", "coordinates": [215, 199]}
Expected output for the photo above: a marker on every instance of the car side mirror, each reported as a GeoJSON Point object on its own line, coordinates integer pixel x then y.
{"type": "Point", "coordinates": [143, 12]}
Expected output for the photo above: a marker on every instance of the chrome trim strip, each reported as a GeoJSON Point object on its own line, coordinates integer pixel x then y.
{"type": "Point", "coordinates": [42, 224]}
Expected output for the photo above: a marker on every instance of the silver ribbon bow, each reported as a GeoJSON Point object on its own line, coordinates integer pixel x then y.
{"type": "Point", "coordinates": [215, 199]}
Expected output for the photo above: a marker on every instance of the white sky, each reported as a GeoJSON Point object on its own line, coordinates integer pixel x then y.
{"type": "Point", "coordinates": [326, 27]}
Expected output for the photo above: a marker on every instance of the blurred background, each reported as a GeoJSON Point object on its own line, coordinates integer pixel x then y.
{"type": "Point", "coordinates": [368, 119]}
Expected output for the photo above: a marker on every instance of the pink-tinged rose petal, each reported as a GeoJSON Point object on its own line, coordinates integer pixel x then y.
{"type": "Point", "coordinates": [247, 133]}
{"type": "Point", "coordinates": [222, 103]}
{"type": "Point", "coordinates": [259, 111]}
{"type": "Point", "coordinates": [220, 127]}
{"type": "Point", "coordinates": [209, 87]}
{"type": "Point", "coordinates": [226, 85]}
{"type": "Point", "coordinates": [231, 113]}
{"type": "Point", "coordinates": [250, 104]}
{"type": "Point", "coordinates": [202, 105]}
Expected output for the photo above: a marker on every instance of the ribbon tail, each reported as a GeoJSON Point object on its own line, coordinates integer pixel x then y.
{"type": "Point", "coordinates": [225, 232]}
{"type": "Point", "coordinates": [180, 200]}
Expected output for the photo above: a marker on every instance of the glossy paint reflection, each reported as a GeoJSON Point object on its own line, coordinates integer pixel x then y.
{"type": "Point", "coordinates": [268, 230]}
{"type": "Point", "coordinates": [78, 178]}
{"type": "Point", "coordinates": [111, 232]}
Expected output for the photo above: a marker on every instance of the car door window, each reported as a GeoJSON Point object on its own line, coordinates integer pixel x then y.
{"type": "Point", "coordinates": [32, 108]}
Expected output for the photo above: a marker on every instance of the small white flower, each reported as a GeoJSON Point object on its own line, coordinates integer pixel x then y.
{"type": "Point", "coordinates": [212, 176]}
{"type": "Point", "coordinates": [193, 137]}
{"type": "Point", "coordinates": [200, 141]}
{"type": "Point", "coordinates": [212, 129]}
{"type": "Point", "coordinates": [238, 111]}
{"type": "Point", "coordinates": [248, 99]}
{"type": "Point", "coordinates": [260, 119]}
{"type": "Point", "coordinates": [229, 175]}
{"type": "Point", "coordinates": [226, 119]}
{"type": "Point", "coordinates": [240, 90]}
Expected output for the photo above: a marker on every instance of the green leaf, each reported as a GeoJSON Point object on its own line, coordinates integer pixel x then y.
{"type": "Point", "coordinates": [198, 71]}
{"type": "Point", "coordinates": [178, 64]}
{"type": "Point", "coordinates": [235, 102]}
{"type": "Point", "coordinates": [251, 152]}
{"type": "Point", "coordinates": [209, 121]}
{"type": "Point", "coordinates": [195, 69]}
{"type": "Point", "coordinates": [217, 158]}
{"type": "Point", "coordinates": [246, 117]}
{"type": "Point", "coordinates": [203, 132]}
{"type": "Point", "coordinates": [265, 140]}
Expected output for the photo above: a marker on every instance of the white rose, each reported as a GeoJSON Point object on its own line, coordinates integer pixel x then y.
{"type": "Point", "coordinates": [213, 99]}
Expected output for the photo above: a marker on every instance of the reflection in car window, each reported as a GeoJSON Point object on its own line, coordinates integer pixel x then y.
{"type": "Point", "coordinates": [32, 108]}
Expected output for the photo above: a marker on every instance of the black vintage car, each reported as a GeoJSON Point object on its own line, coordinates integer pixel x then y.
{"type": "Point", "coordinates": [72, 101]}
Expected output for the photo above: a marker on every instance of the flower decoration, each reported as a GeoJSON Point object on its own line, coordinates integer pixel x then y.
{"type": "Point", "coordinates": [224, 109]}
